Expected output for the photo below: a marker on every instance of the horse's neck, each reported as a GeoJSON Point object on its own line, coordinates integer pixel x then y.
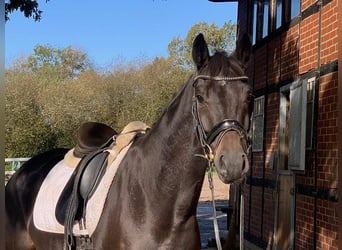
{"type": "Point", "coordinates": [160, 177]}
{"type": "Point", "coordinates": [177, 172]}
{"type": "Point", "coordinates": [176, 130]}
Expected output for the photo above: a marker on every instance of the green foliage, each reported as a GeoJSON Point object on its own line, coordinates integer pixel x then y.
{"type": "Point", "coordinates": [57, 63]}
{"type": "Point", "coordinates": [44, 106]}
{"type": "Point", "coordinates": [26, 132]}
{"type": "Point", "coordinates": [53, 91]}
{"type": "Point", "coordinates": [217, 38]}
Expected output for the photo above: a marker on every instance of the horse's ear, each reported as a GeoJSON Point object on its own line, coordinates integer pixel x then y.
{"type": "Point", "coordinates": [200, 52]}
{"type": "Point", "coordinates": [243, 50]}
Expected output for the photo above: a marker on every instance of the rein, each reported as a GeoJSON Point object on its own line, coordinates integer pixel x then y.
{"type": "Point", "coordinates": [206, 139]}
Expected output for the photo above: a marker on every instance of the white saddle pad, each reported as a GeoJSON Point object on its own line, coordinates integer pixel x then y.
{"type": "Point", "coordinates": [44, 209]}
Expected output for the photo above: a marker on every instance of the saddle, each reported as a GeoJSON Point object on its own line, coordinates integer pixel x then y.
{"type": "Point", "coordinates": [96, 145]}
{"type": "Point", "coordinates": [92, 136]}
{"type": "Point", "coordinates": [93, 139]}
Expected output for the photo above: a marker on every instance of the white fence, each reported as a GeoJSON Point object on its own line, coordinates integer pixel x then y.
{"type": "Point", "coordinates": [15, 164]}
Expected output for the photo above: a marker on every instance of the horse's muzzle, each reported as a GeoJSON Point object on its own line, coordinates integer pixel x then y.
{"type": "Point", "coordinates": [229, 171]}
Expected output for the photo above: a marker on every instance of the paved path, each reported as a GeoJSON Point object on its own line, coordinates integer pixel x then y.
{"type": "Point", "coordinates": [205, 221]}
{"type": "Point", "coordinates": [205, 210]}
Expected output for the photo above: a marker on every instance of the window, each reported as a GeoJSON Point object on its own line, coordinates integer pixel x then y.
{"type": "Point", "coordinates": [258, 124]}
{"type": "Point", "coordinates": [279, 9]}
{"type": "Point", "coordinates": [297, 125]}
{"type": "Point", "coordinates": [266, 9]}
{"type": "Point", "coordinates": [295, 8]}
{"type": "Point", "coordinates": [255, 15]}
{"type": "Point", "coordinates": [310, 86]}
{"type": "Point", "coordinates": [296, 118]}
{"type": "Point", "coordinates": [284, 117]}
{"type": "Point", "coordinates": [269, 15]}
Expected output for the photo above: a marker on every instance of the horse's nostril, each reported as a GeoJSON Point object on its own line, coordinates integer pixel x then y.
{"type": "Point", "coordinates": [222, 163]}
{"type": "Point", "coordinates": [243, 162]}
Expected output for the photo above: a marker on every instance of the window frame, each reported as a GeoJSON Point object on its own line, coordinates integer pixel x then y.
{"type": "Point", "coordinates": [311, 86]}
{"type": "Point", "coordinates": [297, 125]}
{"type": "Point", "coordinates": [283, 156]}
{"type": "Point", "coordinates": [257, 22]}
{"type": "Point", "coordinates": [258, 146]}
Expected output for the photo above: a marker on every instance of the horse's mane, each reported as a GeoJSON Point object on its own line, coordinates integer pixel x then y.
{"type": "Point", "coordinates": [173, 100]}
{"type": "Point", "coordinates": [178, 93]}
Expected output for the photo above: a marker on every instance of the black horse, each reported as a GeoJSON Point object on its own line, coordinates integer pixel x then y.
{"type": "Point", "coordinates": [152, 200]}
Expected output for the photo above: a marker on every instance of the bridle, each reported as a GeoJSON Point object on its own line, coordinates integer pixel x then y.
{"type": "Point", "coordinates": [220, 129]}
{"type": "Point", "coordinates": [206, 140]}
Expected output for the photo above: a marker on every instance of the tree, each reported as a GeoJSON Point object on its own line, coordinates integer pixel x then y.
{"type": "Point", "coordinates": [150, 90]}
{"type": "Point", "coordinates": [217, 38]}
{"type": "Point", "coordinates": [45, 105]}
{"type": "Point", "coordinates": [44, 102]}
{"type": "Point", "coordinates": [30, 8]}
{"type": "Point", "coordinates": [26, 130]}
{"type": "Point", "coordinates": [64, 63]}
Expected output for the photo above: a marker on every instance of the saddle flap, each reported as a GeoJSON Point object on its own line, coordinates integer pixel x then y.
{"type": "Point", "coordinates": [64, 199]}
{"type": "Point", "coordinates": [81, 186]}
{"type": "Point", "coordinates": [92, 175]}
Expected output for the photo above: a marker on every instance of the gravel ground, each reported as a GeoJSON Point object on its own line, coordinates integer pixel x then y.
{"type": "Point", "coordinates": [221, 190]}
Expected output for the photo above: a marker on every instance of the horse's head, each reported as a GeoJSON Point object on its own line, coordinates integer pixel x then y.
{"type": "Point", "coordinates": [222, 107]}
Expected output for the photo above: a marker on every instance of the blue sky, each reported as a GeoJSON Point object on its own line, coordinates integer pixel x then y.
{"type": "Point", "coordinates": [111, 31]}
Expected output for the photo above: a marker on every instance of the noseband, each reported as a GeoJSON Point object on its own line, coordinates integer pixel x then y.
{"type": "Point", "coordinates": [221, 128]}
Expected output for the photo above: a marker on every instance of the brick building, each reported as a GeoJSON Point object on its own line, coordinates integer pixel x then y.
{"type": "Point", "coordinates": [292, 188]}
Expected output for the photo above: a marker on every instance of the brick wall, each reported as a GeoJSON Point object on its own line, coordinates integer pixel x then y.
{"type": "Point", "coordinates": [255, 216]}
{"type": "Point", "coordinates": [327, 132]}
{"type": "Point", "coordinates": [308, 51]}
{"type": "Point", "coordinates": [260, 68]}
{"type": "Point", "coordinates": [279, 60]}
{"type": "Point", "coordinates": [274, 53]}
{"type": "Point", "coordinates": [329, 33]}
{"type": "Point", "coordinates": [269, 213]}
{"type": "Point", "coordinates": [327, 226]}
{"type": "Point", "coordinates": [307, 3]}
{"type": "Point", "coordinates": [304, 237]}
{"type": "Point", "coordinates": [272, 131]}
{"type": "Point", "coordinates": [327, 159]}
{"type": "Point", "coordinates": [289, 53]}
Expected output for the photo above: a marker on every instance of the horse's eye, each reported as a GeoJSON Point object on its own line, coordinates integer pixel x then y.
{"type": "Point", "coordinates": [250, 98]}
{"type": "Point", "coordinates": [199, 98]}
